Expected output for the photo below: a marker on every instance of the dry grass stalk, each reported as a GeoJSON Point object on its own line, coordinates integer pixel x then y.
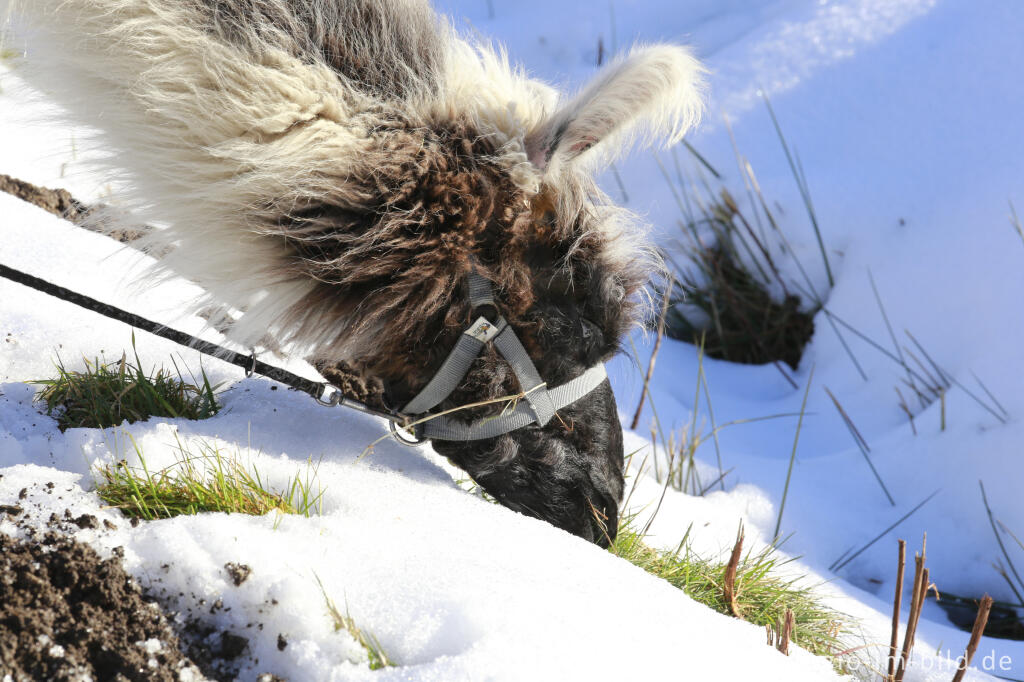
{"type": "Point", "coordinates": [787, 632]}
{"type": "Point", "coordinates": [906, 409]}
{"type": "Point", "coordinates": [729, 586]}
{"type": "Point", "coordinates": [654, 353]}
{"type": "Point", "coordinates": [949, 380]}
{"type": "Point", "coordinates": [846, 558]}
{"type": "Point", "coordinates": [1015, 221]}
{"type": "Point", "coordinates": [792, 457]}
{"type": "Point", "coordinates": [1002, 547]}
{"type": "Point", "coordinates": [979, 628]}
{"type": "Point", "coordinates": [377, 658]}
{"type": "Point", "coordinates": [862, 444]}
{"type": "Point", "coordinates": [510, 404]}
{"type": "Point", "coordinates": [892, 336]}
{"type": "Point", "coordinates": [942, 412]}
{"type": "Point", "coordinates": [897, 602]}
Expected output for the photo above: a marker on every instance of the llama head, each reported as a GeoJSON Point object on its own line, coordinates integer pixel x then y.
{"type": "Point", "coordinates": [334, 170]}
{"type": "Point", "coordinates": [566, 266]}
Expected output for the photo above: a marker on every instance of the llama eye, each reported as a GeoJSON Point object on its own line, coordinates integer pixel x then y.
{"type": "Point", "coordinates": [588, 329]}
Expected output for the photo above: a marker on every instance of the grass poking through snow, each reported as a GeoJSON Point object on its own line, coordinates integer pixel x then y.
{"type": "Point", "coordinates": [203, 481]}
{"type": "Point", "coordinates": [734, 292]}
{"type": "Point", "coordinates": [375, 654]}
{"type": "Point", "coordinates": [760, 594]}
{"type": "Point", "coordinates": [107, 394]}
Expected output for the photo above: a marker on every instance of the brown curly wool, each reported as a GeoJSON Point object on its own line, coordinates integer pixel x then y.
{"type": "Point", "coordinates": [439, 206]}
{"type": "Point", "coordinates": [329, 171]}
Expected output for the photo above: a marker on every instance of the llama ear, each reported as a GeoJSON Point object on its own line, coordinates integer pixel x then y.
{"type": "Point", "coordinates": [654, 92]}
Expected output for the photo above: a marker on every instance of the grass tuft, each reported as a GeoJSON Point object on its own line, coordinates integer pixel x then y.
{"type": "Point", "coordinates": [734, 292]}
{"type": "Point", "coordinates": [758, 593]}
{"type": "Point", "coordinates": [108, 394]}
{"type": "Point", "coordinates": [748, 325]}
{"type": "Point", "coordinates": [378, 658]}
{"type": "Point", "coordinates": [203, 481]}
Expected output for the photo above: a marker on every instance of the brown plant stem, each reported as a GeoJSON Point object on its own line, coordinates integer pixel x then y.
{"type": "Point", "coordinates": [897, 601]}
{"type": "Point", "coordinates": [980, 621]}
{"type": "Point", "coordinates": [787, 632]}
{"type": "Point", "coordinates": [729, 586]}
{"type": "Point", "coordinates": [916, 603]}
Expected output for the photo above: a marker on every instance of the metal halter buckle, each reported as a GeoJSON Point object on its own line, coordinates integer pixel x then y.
{"type": "Point", "coordinates": [398, 431]}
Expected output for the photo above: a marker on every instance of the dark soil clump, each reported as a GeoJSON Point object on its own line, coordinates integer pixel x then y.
{"type": "Point", "coordinates": [239, 573]}
{"type": "Point", "coordinates": [66, 613]}
{"type": "Point", "coordinates": [739, 320]}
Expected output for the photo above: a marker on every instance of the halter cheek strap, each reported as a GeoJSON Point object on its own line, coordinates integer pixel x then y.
{"type": "Point", "coordinates": [541, 402]}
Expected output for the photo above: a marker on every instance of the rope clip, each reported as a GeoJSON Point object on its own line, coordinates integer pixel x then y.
{"type": "Point", "coordinates": [402, 435]}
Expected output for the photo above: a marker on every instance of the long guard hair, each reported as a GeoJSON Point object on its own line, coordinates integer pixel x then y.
{"type": "Point", "coordinates": [330, 170]}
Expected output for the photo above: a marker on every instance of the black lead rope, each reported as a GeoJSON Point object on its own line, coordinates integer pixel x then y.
{"type": "Point", "coordinates": [247, 362]}
{"type": "Point", "coordinates": [543, 404]}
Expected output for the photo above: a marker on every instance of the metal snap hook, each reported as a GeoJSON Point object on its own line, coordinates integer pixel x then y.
{"type": "Point", "coordinates": [332, 393]}
{"type": "Point", "coordinates": [415, 441]}
{"type": "Point", "coordinates": [249, 371]}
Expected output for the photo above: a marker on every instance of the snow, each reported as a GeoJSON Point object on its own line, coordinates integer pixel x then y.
{"type": "Point", "coordinates": [905, 117]}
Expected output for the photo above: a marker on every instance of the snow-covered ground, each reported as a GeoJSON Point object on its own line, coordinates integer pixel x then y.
{"type": "Point", "coordinates": [905, 115]}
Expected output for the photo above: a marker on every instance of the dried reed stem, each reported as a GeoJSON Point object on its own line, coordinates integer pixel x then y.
{"type": "Point", "coordinates": [787, 632]}
{"type": "Point", "coordinates": [980, 621]}
{"type": "Point", "coordinates": [897, 602]}
{"type": "Point", "coordinates": [916, 603]}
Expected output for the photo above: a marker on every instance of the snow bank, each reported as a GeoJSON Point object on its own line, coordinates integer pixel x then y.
{"type": "Point", "coordinates": [905, 117]}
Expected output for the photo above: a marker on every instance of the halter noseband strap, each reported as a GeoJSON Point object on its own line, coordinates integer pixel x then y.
{"type": "Point", "coordinates": [542, 403]}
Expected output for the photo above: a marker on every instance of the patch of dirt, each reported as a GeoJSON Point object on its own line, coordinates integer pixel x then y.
{"type": "Point", "coordinates": [1004, 621]}
{"type": "Point", "coordinates": [238, 573]}
{"type": "Point", "coordinates": [66, 613]}
{"type": "Point", "coordinates": [60, 203]}
{"type": "Point", "coordinates": [216, 652]}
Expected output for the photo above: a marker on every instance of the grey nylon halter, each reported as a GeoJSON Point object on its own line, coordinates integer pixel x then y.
{"type": "Point", "coordinates": [540, 405]}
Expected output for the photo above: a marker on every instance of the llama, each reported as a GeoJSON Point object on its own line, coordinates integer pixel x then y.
{"type": "Point", "coordinates": [334, 171]}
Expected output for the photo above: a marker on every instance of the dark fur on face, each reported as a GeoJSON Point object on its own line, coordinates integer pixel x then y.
{"type": "Point", "coordinates": [442, 208]}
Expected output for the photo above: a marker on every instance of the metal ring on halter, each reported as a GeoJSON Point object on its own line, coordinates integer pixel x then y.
{"type": "Point", "coordinates": [405, 439]}
{"type": "Point", "coordinates": [249, 371]}
{"type": "Point", "coordinates": [334, 398]}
